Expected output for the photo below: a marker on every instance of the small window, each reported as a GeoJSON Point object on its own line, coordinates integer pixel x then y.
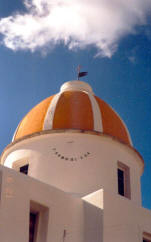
{"type": "Point", "coordinates": [38, 223]}
{"type": "Point", "coordinates": [146, 237]}
{"type": "Point", "coordinates": [24, 169]}
{"type": "Point", "coordinates": [120, 181]}
{"type": "Point", "coordinates": [21, 166]}
{"type": "Point", "coordinates": [32, 226]}
{"type": "Point", "coordinates": [123, 176]}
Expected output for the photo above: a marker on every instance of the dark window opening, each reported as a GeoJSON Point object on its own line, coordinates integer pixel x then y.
{"type": "Point", "coordinates": [146, 237]}
{"type": "Point", "coordinates": [24, 169]}
{"type": "Point", "coordinates": [39, 217]}
{"type": "Point", "coordinates": [120, 181]}
{"type": "Point", "coordinates": [32, 226]}
{"type": "Point", "coordinates": [123, 180]}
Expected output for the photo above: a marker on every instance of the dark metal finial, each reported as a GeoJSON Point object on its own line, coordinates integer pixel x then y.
{"type": "Point", "coordinates": [80, 74]}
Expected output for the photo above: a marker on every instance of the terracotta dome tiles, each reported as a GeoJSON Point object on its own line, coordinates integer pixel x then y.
{"type": "Point", "coordinates": [33, 121]}
{"type": "Point", "coordinates": [112, 123]}
{"type": "Point", "coordinates": [73, 110]}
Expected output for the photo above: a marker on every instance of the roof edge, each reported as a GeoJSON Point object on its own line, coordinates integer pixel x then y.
{"type": "Point", "coordinates": [72, 131]}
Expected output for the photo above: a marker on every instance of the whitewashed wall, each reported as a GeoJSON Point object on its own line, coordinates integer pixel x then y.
{"type": "Point", "coordinates": [82, 176]}
{"type": "Point", "coordinates": [65, 212]}
{"type": "Point", "coordinates": [99, 217]}
{"type": "Point", "coordinates": [123, 220]}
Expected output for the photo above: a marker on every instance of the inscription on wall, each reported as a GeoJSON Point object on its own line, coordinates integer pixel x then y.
{"type": "Point", "coordinates": [69, 158]}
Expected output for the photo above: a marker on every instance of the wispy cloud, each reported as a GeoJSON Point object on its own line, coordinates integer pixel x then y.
{"type": "Point", "coordinates": [132, 54]}
{"type": "Point", "coordinates": [76, 23]}
{"type": "Point", "coordinates": [132, 59]}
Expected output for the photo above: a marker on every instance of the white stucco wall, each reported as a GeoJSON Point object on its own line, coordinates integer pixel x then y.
{"type": "Point", "coordinates": [124, 220]}
{"type": "Point", "coordinates": [99, 217]}
{"type": "Point", "coordinates": [81, 176]}
{"type": "Point", "coordinates": [17, 190]}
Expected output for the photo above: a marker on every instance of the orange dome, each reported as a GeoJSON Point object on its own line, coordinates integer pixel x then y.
{"type": "Point", "coordinates": [74, 107]}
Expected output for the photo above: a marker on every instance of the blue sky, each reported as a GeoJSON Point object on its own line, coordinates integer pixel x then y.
{"type": "Point", "coordinates": [120, 75]}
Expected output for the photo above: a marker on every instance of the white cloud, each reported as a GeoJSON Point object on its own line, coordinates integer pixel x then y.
{"type": "Point", "coordinates": [76, 23]}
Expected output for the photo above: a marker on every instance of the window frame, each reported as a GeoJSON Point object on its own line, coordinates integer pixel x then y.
{"type": "Point", "coordinates": [41, 227]}
{"type": "Point", "coordinates": [126, 174]}
{"type": "Point", "coordinates": [20, 163]}
{"type": "Point", "coordinates": [35, 225]}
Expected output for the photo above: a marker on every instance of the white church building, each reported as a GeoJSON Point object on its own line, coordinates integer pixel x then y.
{"type": "Point", "coordinates": [71, 174]}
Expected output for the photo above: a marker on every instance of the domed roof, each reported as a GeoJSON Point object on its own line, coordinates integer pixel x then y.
{"type": "Point", "coordinates": [74, 107]}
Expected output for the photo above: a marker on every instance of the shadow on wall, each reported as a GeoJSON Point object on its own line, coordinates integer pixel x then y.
{"type": "Point", "coordinates": [93, 223]}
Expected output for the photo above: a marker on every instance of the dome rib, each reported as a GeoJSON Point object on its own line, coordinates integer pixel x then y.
{"type": "Point", "coordinates": [74, 107]}
{"type": "Point", "coordinates": [97, 117]}
{"type": "Point", "coordinates": [72, 111]}
{"type": "Point", "coordinates": [49, 117]}
{"type": "Point", "coordinates": [33, 121]}
{"type": "Point", "coordinates": [112, 123]}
